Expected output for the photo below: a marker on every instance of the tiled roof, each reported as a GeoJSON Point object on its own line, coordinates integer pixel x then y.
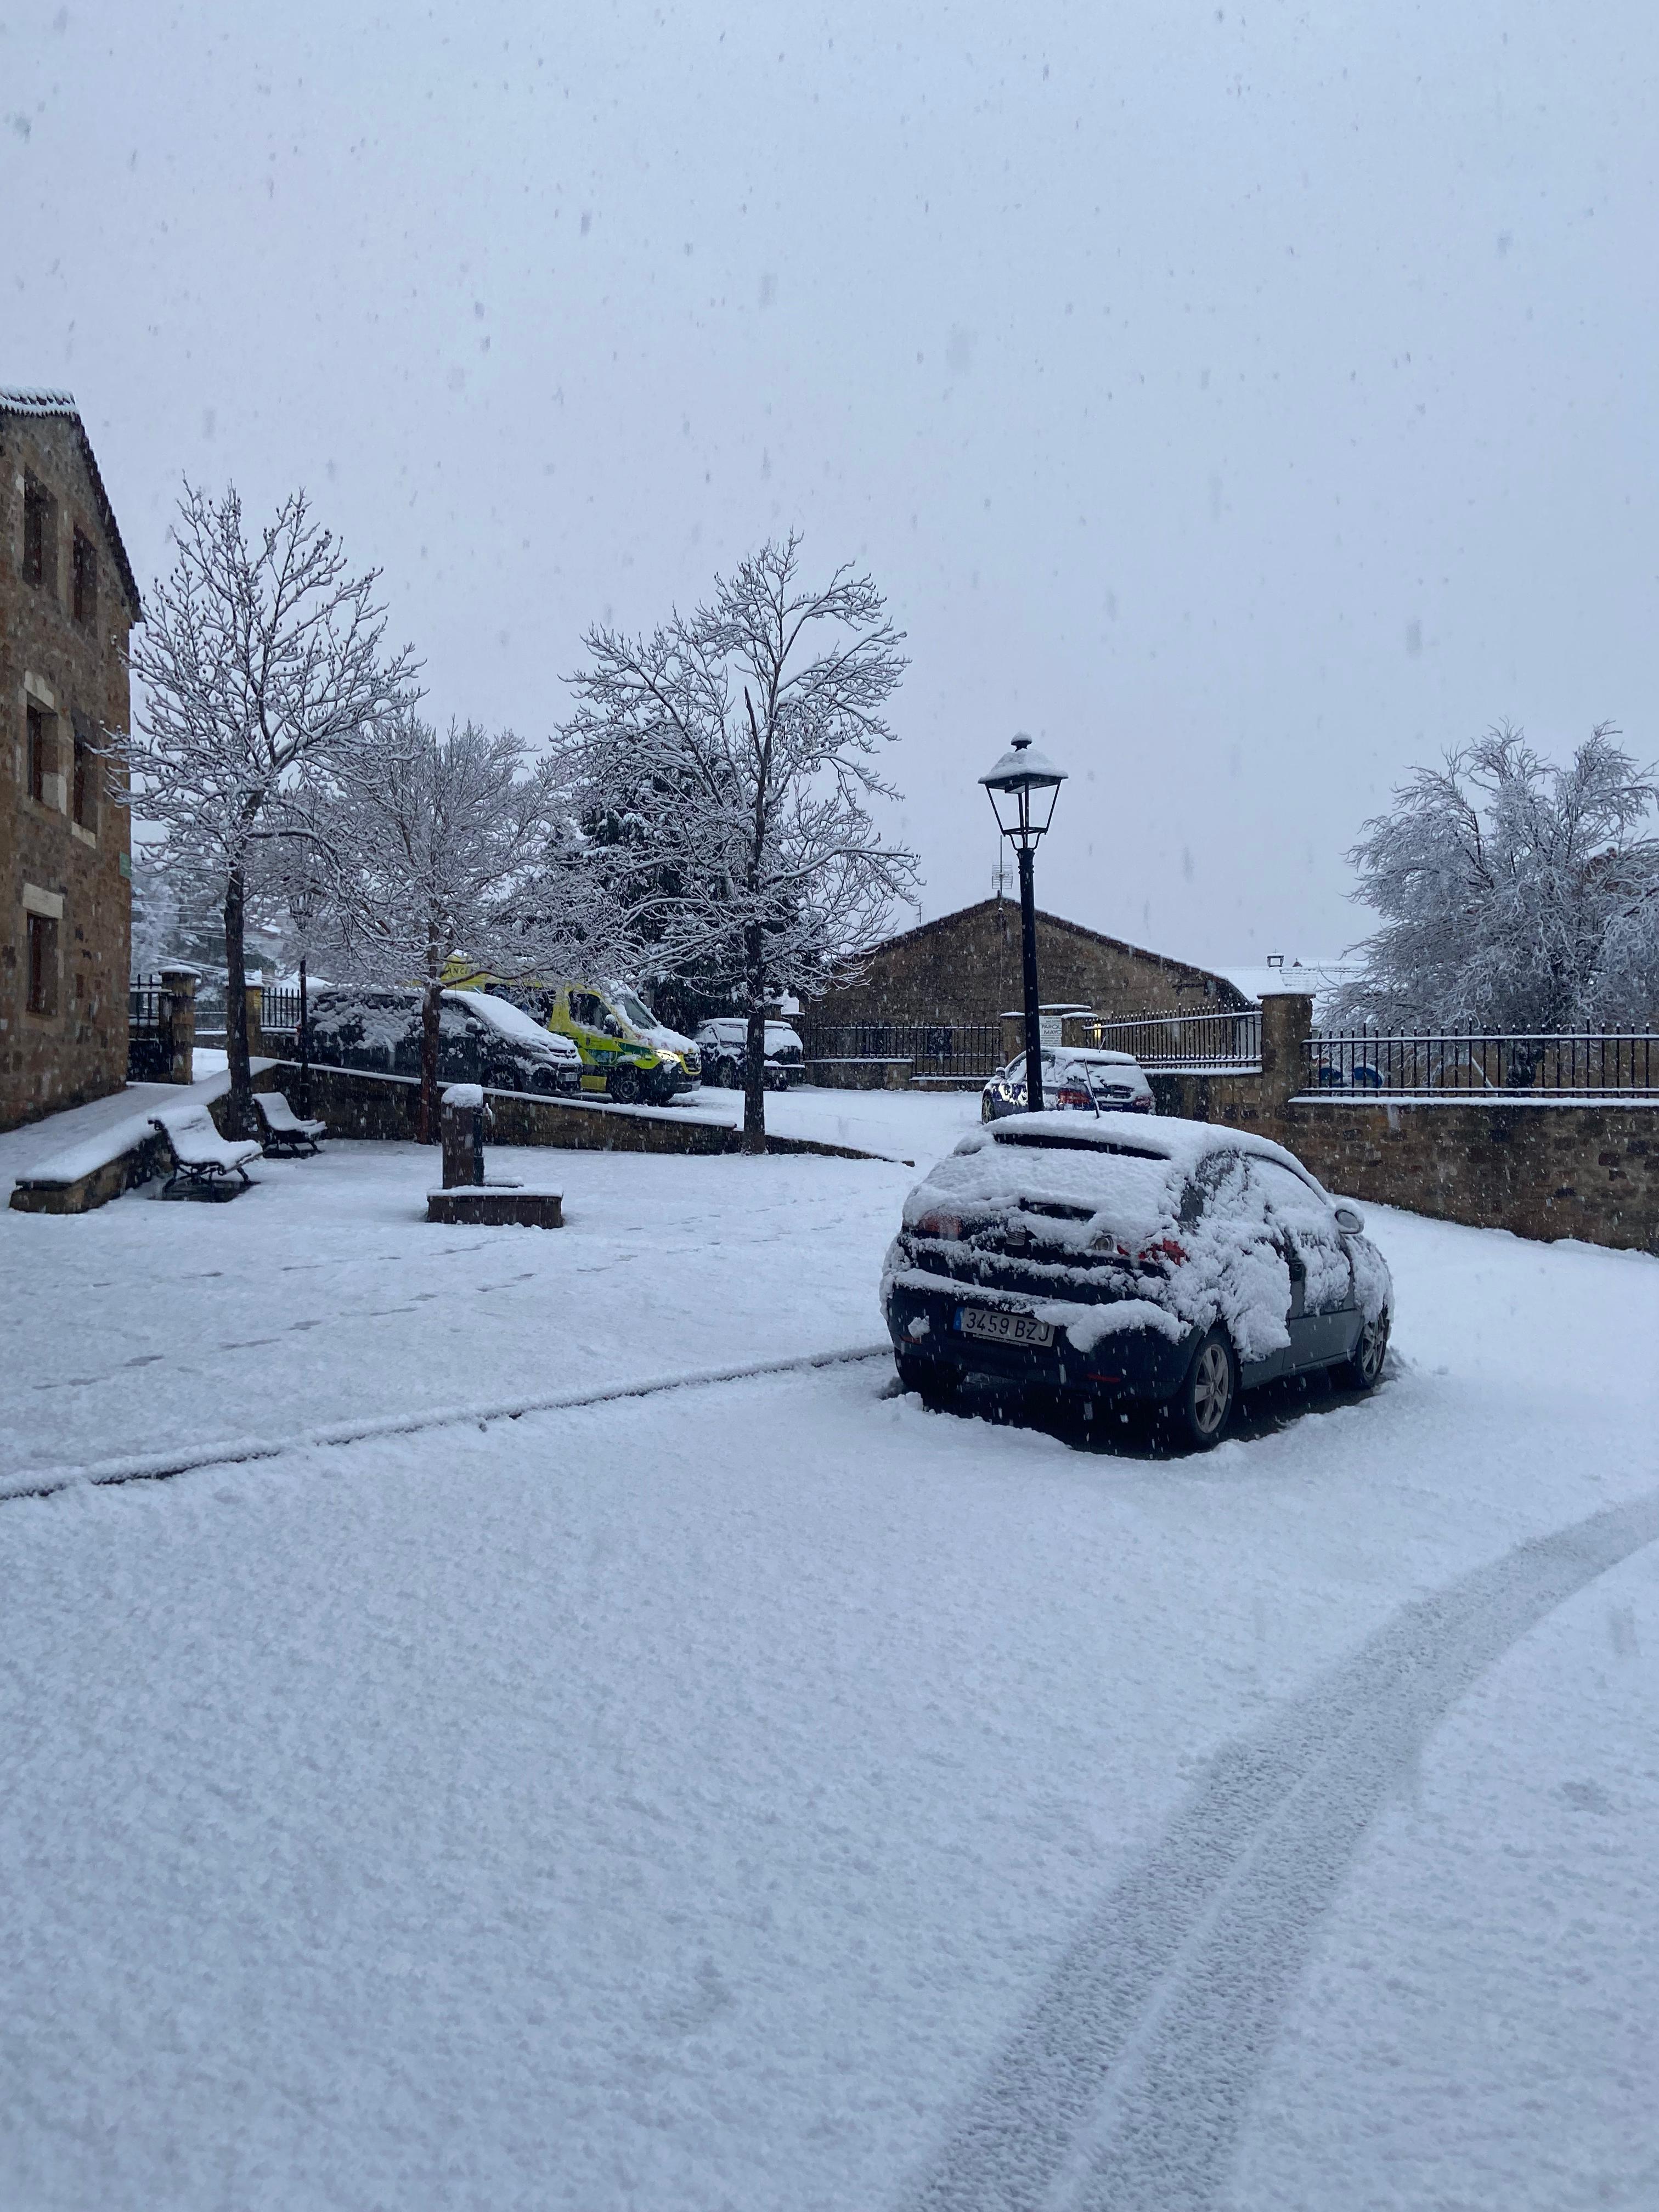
{"type": "Point", "coordinates": [25, 401]}
{"type": "Point", "coordinates": [39, 402]}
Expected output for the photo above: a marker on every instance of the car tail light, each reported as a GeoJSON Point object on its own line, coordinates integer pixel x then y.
{"type": "Point", "coordinates": [1079, 1099]}
{"type": "Point", "coordinates": [948, 1225]}
{"type": "Point", "coordinates": [1165, 1248]}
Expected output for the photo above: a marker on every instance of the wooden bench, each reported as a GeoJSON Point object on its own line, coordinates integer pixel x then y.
{"type": "Point", "coordinates": [287, 1134]}
{"type": "Point", "coordinates": [204, 1161]}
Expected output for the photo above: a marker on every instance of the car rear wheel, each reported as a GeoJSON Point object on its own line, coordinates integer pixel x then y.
{"type": "Point", "coordinates": [934, 1381]}
{"type": "Point", "coordinates": [1362, 1369]}
{"type": "Point", "coordinates": [623, 1083]}
{"type": "Point", "coordinates": [1202, 1408]}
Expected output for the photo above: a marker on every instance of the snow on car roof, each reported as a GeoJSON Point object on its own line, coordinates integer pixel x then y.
{"type": "Point", "coordinates": [1163, 1137]}
{"type": "Point", "coordinates": [509, 1020]}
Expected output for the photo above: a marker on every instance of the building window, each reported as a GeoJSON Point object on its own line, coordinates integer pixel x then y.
{"type": "Point", "coordinates": [39, 534]}
{"type": "Point", "coordinates": [86, 781]}
{"type": "Point", "coordinates": [43, 964]}
{"type": "Point", "coordinates": [86, 579]}
{"type": "Point", "coordinates": [42, 752]}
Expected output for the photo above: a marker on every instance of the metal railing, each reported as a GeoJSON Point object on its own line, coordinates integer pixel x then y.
{"type": "Point", "coordinates": [280, 1013]}
{"type": "Point", "coordinates": [1193, 1042]}
{"type": "Point", "coordinates": [149, 1029]}
{"type": "Point", "coordinates": [147, 1001]}
{"type": "Point", "coordinates": [1598, 1065]}
{"type": "Point", "coordinates": [934, 1048]}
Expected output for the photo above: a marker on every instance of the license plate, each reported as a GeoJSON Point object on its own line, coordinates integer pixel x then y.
{"type": "Point", "coordinates": [1004, 1328]}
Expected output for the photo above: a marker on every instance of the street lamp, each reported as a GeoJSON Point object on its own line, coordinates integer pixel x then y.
{"type": "Point", "coordinates": [1023, 787]}
{"type": "Point", "coordinates": [304, 899]}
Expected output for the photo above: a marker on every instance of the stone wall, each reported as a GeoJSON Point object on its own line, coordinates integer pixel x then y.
{"type": "Point", "coordinates": [965, 967]}
{"type": "Point", "coordinates": [60, 671]}
{"type": "Point", "coordinates": [356, 1103]}
{"type": "Point", "coordinates": [1539, 1170]}
{"type": "Point", "coordinates": [1530, 1165]}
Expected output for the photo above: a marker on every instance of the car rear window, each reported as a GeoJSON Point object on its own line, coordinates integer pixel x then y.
{"type": "Point", "coordinates": [1052, 1141]}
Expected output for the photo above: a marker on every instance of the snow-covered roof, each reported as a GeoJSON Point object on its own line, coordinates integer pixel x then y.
{"type": "Point", "coordinates": [17, 401]}
{"type": "Point", "coordinates": [37, 401]}
{"type": "Point", "coordinates": [1316, 977]}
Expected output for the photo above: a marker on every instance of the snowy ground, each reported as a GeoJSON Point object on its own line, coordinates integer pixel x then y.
{"type": "Point", "coordinates": [772, 1795]}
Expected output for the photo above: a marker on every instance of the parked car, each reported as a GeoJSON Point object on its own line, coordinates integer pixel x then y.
{"type": "Point", "coordinates": [1075, 1078]}
{"type": "Point", "coordinates": [626, 1051]}
{"type": "Point", "coordinates": [724, 1044]}
{"type": "Point", "coordinates": [1117, 1258]}
{"type": "Point", "coordinates": [480, 1039]}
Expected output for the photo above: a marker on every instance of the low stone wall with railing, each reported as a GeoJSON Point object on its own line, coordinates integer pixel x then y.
{"type": "Point", "coordinates": [1567, 1145]}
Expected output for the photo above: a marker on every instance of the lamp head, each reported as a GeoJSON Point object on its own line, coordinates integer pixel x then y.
{"type": "Point", "coordinates": [1023, 787]}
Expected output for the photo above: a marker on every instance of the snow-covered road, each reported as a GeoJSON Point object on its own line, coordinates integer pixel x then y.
{"type": "Point", "coordinates": [773, 1795]}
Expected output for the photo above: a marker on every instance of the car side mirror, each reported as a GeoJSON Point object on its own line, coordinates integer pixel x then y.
{"type": "Point", "coordinates": [1349, 1221]}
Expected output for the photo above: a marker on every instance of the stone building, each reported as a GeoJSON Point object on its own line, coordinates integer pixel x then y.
{"type": "Point", "coordinates": [68, 601]}
{"type": "Point", "coordinates": [965, 968]}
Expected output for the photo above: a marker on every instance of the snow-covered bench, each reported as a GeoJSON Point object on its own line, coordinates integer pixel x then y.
{"type": "Point", "coordinates": [205, 1161]}
{"type": "Point", "coordinates": [286, 1132]}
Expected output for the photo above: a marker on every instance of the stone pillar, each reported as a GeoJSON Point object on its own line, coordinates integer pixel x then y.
{"type": "Point", "coordinates": [1286, 1026]}
{"type": "Point", "coordinates": [178, 1024]}
{"type": "Point", "coordinates": [255, 995]}
{"type": "Point", "coordinates": [460, 1125]}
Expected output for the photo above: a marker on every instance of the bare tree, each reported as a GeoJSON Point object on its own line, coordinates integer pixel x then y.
{"type": "Point", "coordinates": [1516, 895]}
{"type": "Point", "coordinates": [458, 865]}
{"type": "Point", "coordinates": [729, 762]}
{"type": "Point", "coordinates": [257, 663]}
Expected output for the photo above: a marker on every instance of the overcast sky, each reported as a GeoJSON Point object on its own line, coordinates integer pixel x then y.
{"type": "Point", "coordinates": [1248, 403]}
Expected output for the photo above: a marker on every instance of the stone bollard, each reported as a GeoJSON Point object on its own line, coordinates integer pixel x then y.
{"type": "Point", "coordinates": [461, 1114]}
{"type": "Point", "coordinates": [178, 1024]}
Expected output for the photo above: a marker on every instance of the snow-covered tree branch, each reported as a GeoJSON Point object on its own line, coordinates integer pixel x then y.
{"type": "Point", "coordinates": [256, 664]}
{"type": "Point", "coordinates": [1516, 895]}
{"type": "Point", "coordinates": [728, 763]}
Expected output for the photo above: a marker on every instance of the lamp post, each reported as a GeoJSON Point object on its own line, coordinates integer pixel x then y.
{"type": "Point", "coordinates": [303, 901]}
{"type": "Point", "coordinates": [1023, 787]}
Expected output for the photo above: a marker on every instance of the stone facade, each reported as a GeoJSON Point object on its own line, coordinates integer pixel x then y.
{"type": "Point", "coordinates": [1535, 1166]}
{"type": "Point", "coordinates": [965, 968]}
{"type": "Point", "coordinates": [68, 603]}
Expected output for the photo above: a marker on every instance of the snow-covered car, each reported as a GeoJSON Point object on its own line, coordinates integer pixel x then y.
{"type": "Point", "coordinates": [1076, 1078]}
{"type": "Point", "coordinates": [724, 1044]}
{"type": "Point", "coordinates": [1118, 1258]}
{"type": "Point", "coordinates": [480, 1039]}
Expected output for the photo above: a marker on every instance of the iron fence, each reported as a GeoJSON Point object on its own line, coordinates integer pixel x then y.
{"type": "Point", "coordinates": [1194, 1041]}
{"type": "Point", "coordinates": [150, 1030]}
{"type": "Point", "coordinates": [937, 1049]}
{"type": "Point", "coordinates": [280, 1013]}
{"type": "Point", "coordinates": [1611, 1064]}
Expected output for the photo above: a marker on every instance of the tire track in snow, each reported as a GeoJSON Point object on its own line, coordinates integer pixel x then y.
{"type": "Point", "coordinates": [1126, 2088]}
{"type": "Point", "coordinates": [158, 1467]}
